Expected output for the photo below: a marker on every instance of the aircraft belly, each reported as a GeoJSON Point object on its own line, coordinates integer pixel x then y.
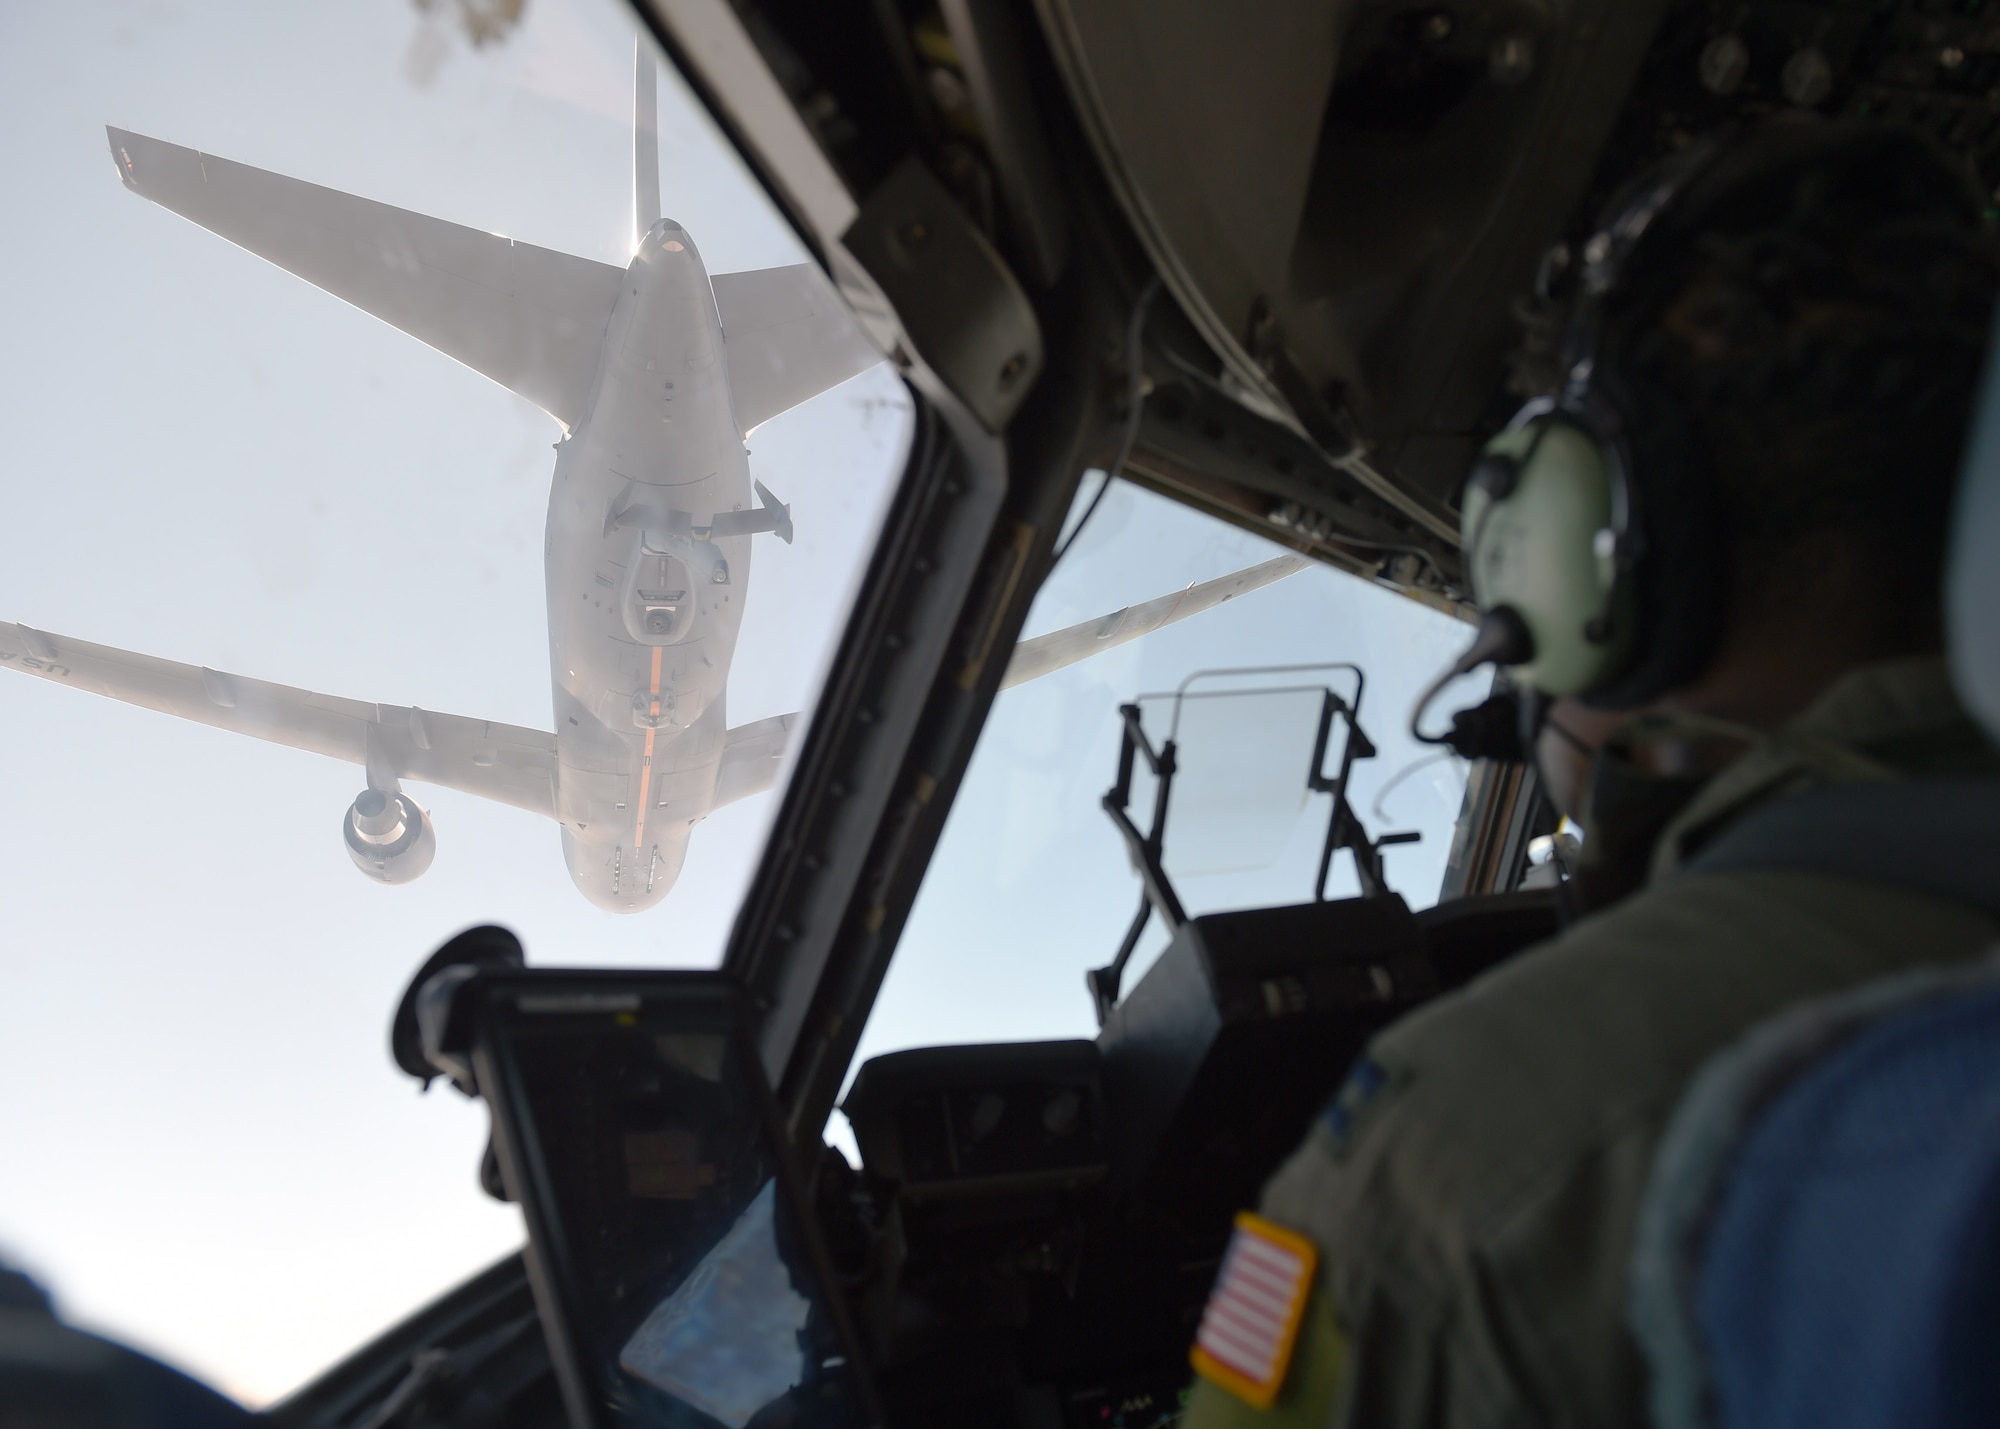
{"type": "Point", "coordinates": [619, 878]}
{"type": "Point", "coordinates": [640, 723]}
{"type": "Point", "coordinates": [626, 821]}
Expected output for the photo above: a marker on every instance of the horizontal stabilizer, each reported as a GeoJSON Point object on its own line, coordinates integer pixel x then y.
{"type": "Point", "coordinates": [1045, 654]}
{"type": "Point", "coordinates": [502, 762]}
{"type": "Point", "coordinates": [788, 337]}
{"type": "Point", "coordinates": [751, 757]}
{"type": "Point", "coordinates": [530, 318]}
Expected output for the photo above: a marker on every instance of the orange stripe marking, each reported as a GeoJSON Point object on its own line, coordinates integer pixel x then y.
{"type": "Point", "coordinates": [646, 769]}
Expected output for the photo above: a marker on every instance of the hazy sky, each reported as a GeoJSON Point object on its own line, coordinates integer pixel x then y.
{"type": "Point", "coordinates": [208, 1152]}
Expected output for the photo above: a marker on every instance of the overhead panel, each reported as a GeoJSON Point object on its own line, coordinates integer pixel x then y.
{"type": "Point", "coordinates": [1347, 198]}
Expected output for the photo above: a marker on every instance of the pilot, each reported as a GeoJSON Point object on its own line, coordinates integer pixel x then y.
{"type": "Point", "coordinates": [1770, 350]}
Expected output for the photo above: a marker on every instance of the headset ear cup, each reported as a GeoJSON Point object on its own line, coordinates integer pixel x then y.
{"type": "Point", "coordinates": [1679, 572]}
{"type": "Point", "coordinates": [1531, 551]}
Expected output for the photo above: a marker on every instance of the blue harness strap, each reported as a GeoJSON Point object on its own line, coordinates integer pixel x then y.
{"type": "Point", "coordinates": [1820, 1238]}
{"type": "Point", "coordinates": [1945, 840]}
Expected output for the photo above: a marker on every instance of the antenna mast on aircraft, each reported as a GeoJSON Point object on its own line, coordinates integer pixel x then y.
{"type": "Point", "coordinates": [645, 142]}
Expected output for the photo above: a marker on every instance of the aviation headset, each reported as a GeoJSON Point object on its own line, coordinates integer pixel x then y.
{"type": "Point", "coordinates": [1590, 523]}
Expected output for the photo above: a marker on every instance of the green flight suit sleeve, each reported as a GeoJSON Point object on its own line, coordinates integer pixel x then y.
{"type": "Point", "coordinates": [1431, 1334]}
{"type": "Point", "coordinates": [1311, 1388]}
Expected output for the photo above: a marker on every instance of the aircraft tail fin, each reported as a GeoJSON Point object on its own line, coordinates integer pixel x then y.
{"type": "Point", "coordinates": [530, 318]}
{"type": "Point", "coordinates": [645, 141]}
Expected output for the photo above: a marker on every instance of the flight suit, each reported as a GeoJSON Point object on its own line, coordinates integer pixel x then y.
{"type": "Point", "coordinates": [1472, 1191]}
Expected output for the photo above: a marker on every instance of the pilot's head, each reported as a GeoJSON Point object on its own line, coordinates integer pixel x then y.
{"type": "Point", "coordinates": [1762, 365]}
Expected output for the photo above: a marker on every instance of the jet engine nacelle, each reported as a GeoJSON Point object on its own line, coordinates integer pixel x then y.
{"type": "Point", "coordinates": [389, 838]}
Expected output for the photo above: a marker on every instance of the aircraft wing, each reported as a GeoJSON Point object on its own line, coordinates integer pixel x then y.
{"type": "Point", "coordinates": [529, 318]}
{"type": "Point", "coordinates": [752, 753]}
{"type": "Point", "coordinates": [1046, 654]}
{"type": "Point", "coordinates": [501, 762]}
{"type": "Point", "coordinates": [788, 338]}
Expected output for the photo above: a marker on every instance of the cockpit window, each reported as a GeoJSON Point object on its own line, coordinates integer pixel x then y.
{"type": "Point", "coordinates": [377, 459]}
{"type": "Point", "coordinates": [1032, 885]}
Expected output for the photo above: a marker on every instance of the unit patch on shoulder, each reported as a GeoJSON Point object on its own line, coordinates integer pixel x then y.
{"type": "Point", "coordinates": [1252, 1320]}
{"type": "Point", "coordinates": [1357, 1095]}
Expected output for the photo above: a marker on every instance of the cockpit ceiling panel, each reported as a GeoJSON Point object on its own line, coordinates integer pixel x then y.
{"type": "Point", "coordinates": [1352, 194]}
{"type": "Point", "coordinates": [1208, 126]}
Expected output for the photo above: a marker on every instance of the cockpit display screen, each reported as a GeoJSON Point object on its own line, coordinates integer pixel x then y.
{"type": "Point", "coordinates": [677, 1278]}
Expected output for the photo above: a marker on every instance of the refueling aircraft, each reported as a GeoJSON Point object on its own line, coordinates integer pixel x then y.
{"type": "Point", "coordinates": [656, 373]}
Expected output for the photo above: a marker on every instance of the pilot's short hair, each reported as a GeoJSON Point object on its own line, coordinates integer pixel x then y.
{"type": "Point", "coordinates": [1823, 326]}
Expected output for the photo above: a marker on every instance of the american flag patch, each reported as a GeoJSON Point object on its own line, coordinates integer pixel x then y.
{"type": "Point", "coordinates": [1247, 1331]}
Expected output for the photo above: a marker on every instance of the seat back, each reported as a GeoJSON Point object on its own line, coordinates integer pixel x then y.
{"type": "Point", "coordinates": [1820, 1241]}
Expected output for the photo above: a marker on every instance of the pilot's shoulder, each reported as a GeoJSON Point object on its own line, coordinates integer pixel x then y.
{"type": "Point", "coordinates": [1483, 1105]}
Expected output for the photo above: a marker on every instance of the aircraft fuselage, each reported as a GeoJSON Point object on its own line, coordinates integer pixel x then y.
{"type": "Point", "coordinates": [644, 604]}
